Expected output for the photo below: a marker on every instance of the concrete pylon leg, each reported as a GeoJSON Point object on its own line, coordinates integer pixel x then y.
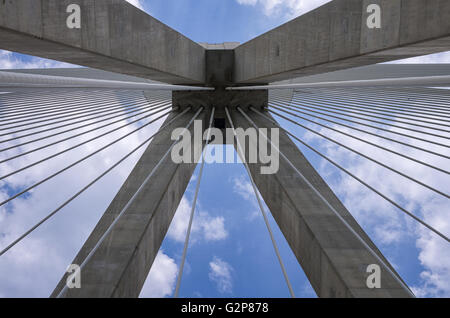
{"type": "Point", "coordinates": [121, 264]}
{"type": "Point", "coordinates": [333, 259]}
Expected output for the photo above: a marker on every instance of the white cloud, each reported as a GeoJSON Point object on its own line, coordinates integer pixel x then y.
{"type": "Point", "coordinates": [161, 279]}
{"type": "Point", "coordinates": [287, 8]}
{"type": "Point", "coordinates": [137, 4]}
{"type": "Point", "coordinates": [213, 228]}
{"type": "Point", "coordinates": [243, 188]}
{"type": "Point", "coordinates": [9, 60]}
{"type": "Point", "coordinates": [437, 58]}
{"type": "Point", "coordinates": [220, 272]}
{"type": "Point", "coordinates": [204, 225]}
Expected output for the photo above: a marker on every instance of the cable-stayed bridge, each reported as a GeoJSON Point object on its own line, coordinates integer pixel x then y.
{"type": "Point", "coordinates": [316, 73]}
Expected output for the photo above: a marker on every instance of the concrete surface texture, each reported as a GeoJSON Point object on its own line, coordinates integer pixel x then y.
{"type": "Point", "coordinates": [336, 36]}
{"type": "Point", "coordinates": [114, 36]}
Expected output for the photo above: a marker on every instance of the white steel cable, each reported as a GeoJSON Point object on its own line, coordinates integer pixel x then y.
{"type": "Point", "coordinates": [322, 107]}
{"type": "Point", "coordinates": [40, 107]}
{"type": "Point", "coordinates": [137, 112]}
{"type": "Point", "coordinates": [443, 80]}
{"type": "Point", "coordinates": [28, 103]}
{"type": "Point", "coordinates": [153, 111]}
{"type": "Point", "coordinates": [375, 103]}
{"type": "Point", "coordinates": [353, 176]}
{"type": "Point", "coordinates": [266, 220]}
{"type": "Point", "coordinates": [78, 145]}
{"type": "Point", "coordinates": [370, 133]}
{"type": "Point", "coordinates": [366, 156]}
{"type": "Point", "coordinates": [369, 143]}
{"type": "Point", "coordinates": [123, 111]}
{"type": "Point", "coordinates": [362, 109]}
{"type": "Point", "coordinates": [106, 112]}
{"type": "Point", "coordinates": [9, 79]}
{"type": "Point", "coordinates": [194, 203]}
{"type": "Point", "coordinates": [23, 236]}
{"type": "Point", "coordinates": [80, 160]}
{"type": "Point", "coordinates": [297, 109]}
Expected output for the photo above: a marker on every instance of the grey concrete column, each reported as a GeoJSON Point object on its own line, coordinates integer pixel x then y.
{"type": "Point", "coordinates": [121, 264]}
{"type": "Point", "coordinates": [333, 259]}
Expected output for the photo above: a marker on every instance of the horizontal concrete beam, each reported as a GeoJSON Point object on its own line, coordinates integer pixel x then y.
{"type": "Point", "coordinates": [220, 99]}
{"type": "Point", "coordinates": [336, 36]}
{"type": "Point", "coordinates": [390, 82]}
{"type": "Point", "coordinates": [114, 36]}
{"type": "Point", "coordinates": [10, 80]}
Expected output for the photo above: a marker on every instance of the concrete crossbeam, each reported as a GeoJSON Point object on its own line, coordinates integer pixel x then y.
{"type": "Point", "coordinates": [221, 98]}
{"type": "Point", "coordinates": [336, 36]}
{"type": "Point", "coordinates": [117, 37]}
{"type": "Point", "coordinates": [333, 259]}
{"type": "Point", "coordinates": [114, 36]}
{"type": "Point", "coordinates": [121, 264]}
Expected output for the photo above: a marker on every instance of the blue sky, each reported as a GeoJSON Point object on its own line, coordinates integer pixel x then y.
{"type": "Point", "coordinates": [230, 253]}
{"type": "Point", "coordinates": [217, 21]}
{"type": "Point", "coordinates": [246, 248]}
